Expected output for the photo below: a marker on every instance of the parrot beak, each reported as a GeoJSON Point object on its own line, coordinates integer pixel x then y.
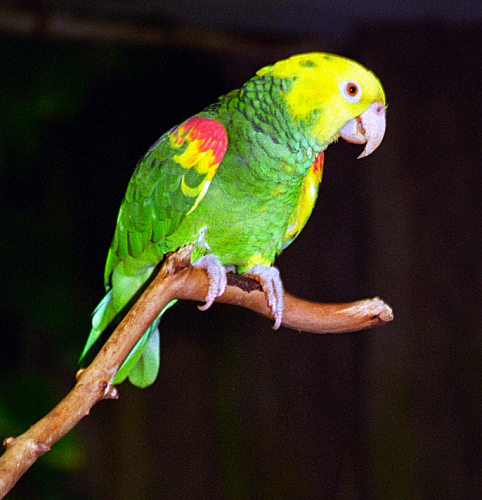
{"type": "Point", "coordinates": [368, 128]}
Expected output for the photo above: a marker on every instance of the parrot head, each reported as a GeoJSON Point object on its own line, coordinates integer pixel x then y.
{"type": "Point", "coordinates": [331, 97]}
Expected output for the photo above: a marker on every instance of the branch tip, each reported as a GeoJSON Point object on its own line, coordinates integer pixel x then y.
{"type": "Point", "coordinates": [381, 311]}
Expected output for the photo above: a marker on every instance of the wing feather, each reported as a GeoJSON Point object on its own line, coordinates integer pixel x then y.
{"type": "Point", "coordinates": [168, 183]}
{"type": "Point", "coordinates": [306, 201]}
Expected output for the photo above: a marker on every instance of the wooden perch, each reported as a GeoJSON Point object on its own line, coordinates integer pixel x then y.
{"type": "Point", "coordinates": [177, 279]}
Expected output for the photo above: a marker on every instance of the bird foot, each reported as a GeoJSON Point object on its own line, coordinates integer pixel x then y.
{"type": "Point", "coordinates": [216, 276]}
{"type": "Point", "coordinates": [270, 281]}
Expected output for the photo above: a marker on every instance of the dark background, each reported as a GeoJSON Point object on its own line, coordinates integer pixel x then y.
{"type": "Point", "coordinates": [240, 411]}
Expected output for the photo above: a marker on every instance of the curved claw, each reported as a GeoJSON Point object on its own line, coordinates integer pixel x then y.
{"type": "Point", "coordinates": [270, 281]}
{"type": "Point", "coordinates": [216, 275]}
{"type": "Point", "coordinates": [368, 128]}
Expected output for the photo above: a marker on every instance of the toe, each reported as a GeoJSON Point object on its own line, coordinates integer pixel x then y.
{"type": "Point", "coordinates": [270, 281]}
{"type": "Point", "coordinates": [216, 276]}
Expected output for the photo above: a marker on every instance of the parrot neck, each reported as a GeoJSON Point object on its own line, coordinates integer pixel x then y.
{"type": "Point", "coordinates": [258, 113]}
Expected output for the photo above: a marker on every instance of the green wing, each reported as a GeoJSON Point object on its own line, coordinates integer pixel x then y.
{"type": "Point", "coordinates": [168, 183]}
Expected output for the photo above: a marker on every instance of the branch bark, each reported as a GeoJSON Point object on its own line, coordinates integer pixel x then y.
{"type": "Point", "coordinates": [177, 279]}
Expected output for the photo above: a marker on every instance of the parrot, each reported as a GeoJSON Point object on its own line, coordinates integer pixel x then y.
{"type": "Point", "coordinates": [238, 182]}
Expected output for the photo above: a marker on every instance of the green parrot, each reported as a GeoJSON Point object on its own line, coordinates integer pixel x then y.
{"type": "Point", "coordinates": [238, 181]}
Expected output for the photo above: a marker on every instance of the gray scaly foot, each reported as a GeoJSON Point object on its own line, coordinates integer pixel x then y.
{"type": "Point", "coordinates": [216, 275]}
{"type": "Point", "coordinates": [270, 281]}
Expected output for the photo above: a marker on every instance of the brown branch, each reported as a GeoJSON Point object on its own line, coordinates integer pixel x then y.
{"type": "Point", "coordinates": [177, 279]}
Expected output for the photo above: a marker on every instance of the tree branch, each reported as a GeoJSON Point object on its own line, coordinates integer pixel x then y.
{"type": "Point", "coordinates": [177, 279]}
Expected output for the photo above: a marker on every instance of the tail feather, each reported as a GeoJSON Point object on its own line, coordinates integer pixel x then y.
{"type": "Point", "coordinates": [98, 324]}
{"type": "Point", "coordinates": [142, 364]}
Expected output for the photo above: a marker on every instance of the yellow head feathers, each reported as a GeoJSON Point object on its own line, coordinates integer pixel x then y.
{"type": "Point", "coordinates": [326, 91]}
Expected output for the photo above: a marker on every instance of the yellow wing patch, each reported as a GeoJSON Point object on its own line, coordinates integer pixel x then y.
{"type": "Point", "coordinates": [202, 143]}
{"type": "Point", "coordinates": [306, 200]}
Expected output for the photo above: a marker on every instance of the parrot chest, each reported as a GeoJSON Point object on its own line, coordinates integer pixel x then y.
{"type": "Point", "coordinates": [241, 227]}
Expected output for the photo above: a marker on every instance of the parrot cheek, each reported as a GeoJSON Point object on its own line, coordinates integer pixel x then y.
{"type": "Point", "coordinates": [368, 128]}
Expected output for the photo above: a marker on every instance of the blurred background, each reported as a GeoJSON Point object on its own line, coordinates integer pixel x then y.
{"type": "Point", "coordinates": [240, 411]}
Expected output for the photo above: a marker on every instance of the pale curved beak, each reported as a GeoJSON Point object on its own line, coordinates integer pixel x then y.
{"type": "Point", "coordinates": [368, 128]}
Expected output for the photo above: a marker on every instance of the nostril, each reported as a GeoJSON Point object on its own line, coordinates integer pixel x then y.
{"type": "Point", "coordinates": [380, 109]}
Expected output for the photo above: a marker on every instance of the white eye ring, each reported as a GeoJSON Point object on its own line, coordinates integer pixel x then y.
{"type": "Point", "coordinates": [351, 91]}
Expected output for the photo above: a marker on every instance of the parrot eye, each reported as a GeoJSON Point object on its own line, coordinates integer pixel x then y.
{"type": "Point", "coordinates": [351, 91]}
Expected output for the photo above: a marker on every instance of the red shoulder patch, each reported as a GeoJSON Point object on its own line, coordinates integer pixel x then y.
{"type": "Point", "coordinates": [208, 134]}
{"type": "Point", "coordinates": [201, 144]}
